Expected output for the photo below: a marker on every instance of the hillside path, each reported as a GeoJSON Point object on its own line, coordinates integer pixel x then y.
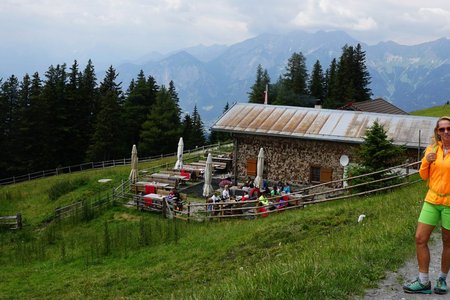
{"type": "Point", "coordinates": [391, 286]}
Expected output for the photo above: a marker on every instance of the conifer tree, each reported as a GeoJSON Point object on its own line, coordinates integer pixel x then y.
{"type": "Point", "coordinates": [141, 97]}
{"type": "Point", "coordinates": [296, 75]}
{"type": "Point", "coordinates": [108, 139]}
{"type": "Point", "coordinates": [198, 130]}
{"type": "Point", "coordinates": [9, 102]}
{"type": "Point", "coordinates": [317, 82]}
{"type": "Point", "coordinates": [256, 94]}
{"type": "Point", "coordinates": [161, 131]}
{"type": "Point", "coordinates": [217, 136]}
{"type": "Point", "coordinates": [376, 153]}
{"type": "Point", "coordinates": [187, 131]}
{"type": "Point", "coordinates": [331, 85]}
{"type": "Point", "coordinates": [89, 107]}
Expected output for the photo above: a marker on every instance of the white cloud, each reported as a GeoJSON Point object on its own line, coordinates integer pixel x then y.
{"type": "Point", "coordinates": [126, 29]}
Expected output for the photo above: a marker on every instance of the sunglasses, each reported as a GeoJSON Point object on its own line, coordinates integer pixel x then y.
{"type": "Point", "coordinates": [443, 129]}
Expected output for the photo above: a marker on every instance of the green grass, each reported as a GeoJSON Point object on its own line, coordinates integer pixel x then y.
{"type": "Point", "coordinates": [436, 111]}
{"type": "Point", "coordinates": [320, 252]}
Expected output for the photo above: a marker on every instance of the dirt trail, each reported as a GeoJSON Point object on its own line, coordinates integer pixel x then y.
{"type": "Point", "coordinates": [391, 286]}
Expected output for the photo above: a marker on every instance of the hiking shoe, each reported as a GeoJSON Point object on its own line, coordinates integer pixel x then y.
{"type": "Point", "coordinates": [441, 286]}
{"type": "Point", "coordinates": [416, 287]}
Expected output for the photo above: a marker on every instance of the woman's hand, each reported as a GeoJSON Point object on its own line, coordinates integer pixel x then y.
{"type": "Point", "coordinates": [431, 157]}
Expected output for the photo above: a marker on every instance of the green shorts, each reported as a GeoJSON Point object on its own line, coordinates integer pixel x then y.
{"type": "Point", "coordinates": [432, 213]}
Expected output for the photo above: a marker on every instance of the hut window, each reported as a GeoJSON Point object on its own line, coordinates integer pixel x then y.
{"type": "Point", "coordinates": [315, 174]}
{"type": "Point", "coordinates": [320, 174]}
{"type": "Point", "coordinates": [251, 167]}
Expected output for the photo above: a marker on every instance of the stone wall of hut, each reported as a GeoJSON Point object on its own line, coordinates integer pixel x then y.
{"type": "Point", "coordinates": [291, 159]}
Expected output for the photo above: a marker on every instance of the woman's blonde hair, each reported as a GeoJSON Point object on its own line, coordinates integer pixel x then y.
{"type": "Point", "coordinates": [436, 137]}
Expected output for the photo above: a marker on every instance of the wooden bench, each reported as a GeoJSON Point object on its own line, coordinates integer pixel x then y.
{"type": "Point", "coordinates": [11, 222]}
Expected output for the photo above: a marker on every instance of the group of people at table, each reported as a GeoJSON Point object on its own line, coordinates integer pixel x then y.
{"type": "Point", "coordinates": [267, 198]}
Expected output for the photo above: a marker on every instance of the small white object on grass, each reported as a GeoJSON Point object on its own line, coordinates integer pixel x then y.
{"type": "Point", "coordinates": [360, 218]}
{"type": "Point", "coordinates": [104, 180]}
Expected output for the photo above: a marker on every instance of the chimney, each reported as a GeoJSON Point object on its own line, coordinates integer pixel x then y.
{"type": "Point", "coordinates": [318, 104]}
{"type": "Point", "coordinates": [266, 95]}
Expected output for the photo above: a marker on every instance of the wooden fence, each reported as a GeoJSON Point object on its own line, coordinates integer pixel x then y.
{"type": "Point", "coordinates": [11, 222]}
{"type": "Point", "coordinates": [95, 165]}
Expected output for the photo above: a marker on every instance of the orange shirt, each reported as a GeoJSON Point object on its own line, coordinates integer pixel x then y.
{"type": "Point", "coordinates": [438, 175]}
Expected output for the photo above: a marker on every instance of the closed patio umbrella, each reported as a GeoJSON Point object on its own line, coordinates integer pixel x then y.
{"type": "Point", "coordinates": [134, 165]}
{"type": "Point", "coordinates": [259, 169]}
{"type": "Point", "coordinates": [207, 187]}
{"type": "Point", "coordinates": [179, 163]}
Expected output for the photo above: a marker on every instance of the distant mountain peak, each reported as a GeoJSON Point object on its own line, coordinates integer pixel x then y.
{"type": "Point", "coordinates": [411, 77]}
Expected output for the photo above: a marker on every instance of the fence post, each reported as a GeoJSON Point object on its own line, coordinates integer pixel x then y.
{"type": "Point", "coordinates": [189, 211]}
{"type": "Point", "coordinates": [70, 170]}
{"type": "Point", "coordinates": [19, 220]}
{"type": "Point", "coordinates": [14, 179]}
{"type": "Point", "coordinates": [92, 164]}
{"type": "Point", "coordinates": [56, 171]}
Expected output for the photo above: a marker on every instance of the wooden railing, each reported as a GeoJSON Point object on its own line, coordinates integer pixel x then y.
{"type": "Point", "coordinates": [95, 165]}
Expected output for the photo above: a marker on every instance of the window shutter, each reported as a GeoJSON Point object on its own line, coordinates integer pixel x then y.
{"type": "Point", "coordinates": [251, 167]}
{"type": "Point", "coordinates": [325, 174]}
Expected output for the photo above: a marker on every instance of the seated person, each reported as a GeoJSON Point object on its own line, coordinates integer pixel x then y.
{"type": "Point", "coordinates": [280, 186]}
{"type": "Point", "coordinates": [213, 199]}
{"type": "Point", "coordinates": [287, 188]}
{"type": "Point", "coordinates": [283, 202]}
{"type": "Point", "coordinates": [175, 199]}
{"type": "Point", "coordinates": [253, 192]}
{"type": "Point", "coordinates": [245, 196]}
{"type": "Point", "coordinates": [263, 199]}
{"type": "Point", "coordinates": [246, 186]}
{"type": "Point", "coordinates": [274, 192]}
{"type": "Point", "coordinates": [226, 193]}
{"type": "Point", "coordinates": [263, 210]}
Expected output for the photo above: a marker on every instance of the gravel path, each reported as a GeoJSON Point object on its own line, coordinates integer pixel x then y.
{"type": "Point", "coordinates": [391, 286]}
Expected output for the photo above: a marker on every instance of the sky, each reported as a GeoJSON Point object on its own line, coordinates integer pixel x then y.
{"type": "Point", "coordinates": [110, 31]}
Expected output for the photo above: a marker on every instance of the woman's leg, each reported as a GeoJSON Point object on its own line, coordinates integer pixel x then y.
{"type": "Point", "coordinates": [423, 233]}
{"type": "Point", "coordinates": [445, 261]}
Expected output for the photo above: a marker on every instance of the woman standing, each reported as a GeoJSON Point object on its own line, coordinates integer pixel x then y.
{"type": "Point", "coordinates": [435, 168]}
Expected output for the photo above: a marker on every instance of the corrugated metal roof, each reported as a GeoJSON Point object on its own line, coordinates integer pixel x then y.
{"type": "Point", "coordinates": [323, 124]}
{"type": "Point", "coordinates": [378, 105]}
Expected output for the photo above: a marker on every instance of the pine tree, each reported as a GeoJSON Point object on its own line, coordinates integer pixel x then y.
{"type": "Point", "coordinates": [89, 106]}
{"type": "Point", "coordinates": [361, 79]}
{"type": "Point", "coordinates": [296, 75]}
{"type": "Point", "coordinates": [108, 138]}
{"type": "Point", "coordinates": [34, 128]}
{"type": "Point", "coordinates": [216, 136]}
{"type": "Point", "coordinates": [9, 104]}
{"type": "Point", "coordinates": [137, 106]}
{"type": "Point", "coordinates": [331, 85]}
{"type": "Point", "coordinates": [317, 82]}
{"type": "Point", "coordinates": [187, 132]}
{"type": "Point", "coordinates": [256, 94]}
{"type": "Point", "coordinates": [198, 130]}
{"type": "Point", "coordinates": [161, 131]}
{"type": "Point", "coordinates": [376, 153]}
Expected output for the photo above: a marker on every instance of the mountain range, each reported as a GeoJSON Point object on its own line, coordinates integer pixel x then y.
{"type": "Point", "coordinates": [410, 77]}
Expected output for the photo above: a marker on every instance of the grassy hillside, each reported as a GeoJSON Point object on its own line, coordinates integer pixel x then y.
{"type": "Point", "coordinates": [319, 252]}
{"type": "Point", "coordinates": [436, 111]}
